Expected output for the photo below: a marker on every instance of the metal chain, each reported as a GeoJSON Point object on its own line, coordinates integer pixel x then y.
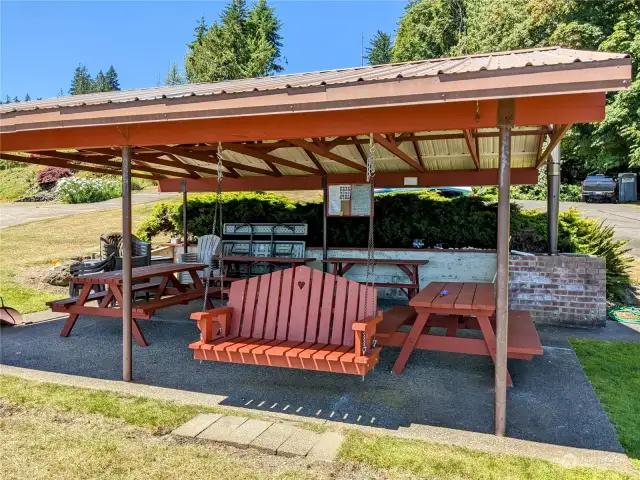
{"type": "Point", "coordinates": [217, 219]}
{"type": "Point", "coordinates": [369, 283]}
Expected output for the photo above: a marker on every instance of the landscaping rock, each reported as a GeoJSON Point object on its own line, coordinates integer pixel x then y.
{"type": "Point", "coordinates": [60, 274]}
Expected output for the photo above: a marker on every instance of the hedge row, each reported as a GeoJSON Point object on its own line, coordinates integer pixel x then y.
{"type": "Point", "coordinates": [399, 219]}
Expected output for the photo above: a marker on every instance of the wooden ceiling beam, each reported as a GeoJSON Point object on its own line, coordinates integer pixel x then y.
{"type": "Point", "coordinates": [558, 132]}
{"type": "Point", "coordinates": [312, 157]}
{"type": "Point", "coordinates": [472, 145]}
{"type": "Point", "coordinates": [268, 158]}
{"type": "Point", "coordinates": [204, 157]}
{"type": "Point", "coordinates": [390, 144]}
{"type": "Point", "coordinates": [148, 163]}
{"type": "Point", "coordinates": [55, 162]}
{"type": "Point", "coordinates": [323, 151]}
{"type": "Point", "coordinates": [142, 168]}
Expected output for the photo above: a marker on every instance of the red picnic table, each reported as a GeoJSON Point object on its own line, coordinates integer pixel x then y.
{"type": "Point", "coordinates": [463, 306]}
{"type": "Point", "coordinates": [167, 291]}
{"type": "Point", "coordinates": [340, 266]}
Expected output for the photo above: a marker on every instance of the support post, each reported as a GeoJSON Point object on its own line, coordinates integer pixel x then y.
{"type": "Point", "coordinates": [505, 121]}
{"type": "Point", "coordinates": [325, 199]}
{"type": "Point", "coordinates": [127, 321]}
{"type": "Point", "coordinates": [553, 199]}
{"type": "Point", "coordinates": [184, 218]}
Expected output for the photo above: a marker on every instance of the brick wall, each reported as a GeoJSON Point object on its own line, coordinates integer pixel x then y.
{"type": "Point", "coordinates": [559, 290]}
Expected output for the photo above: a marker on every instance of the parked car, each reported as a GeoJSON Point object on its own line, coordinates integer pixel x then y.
{"type": "Point", "coordinates": [599, 188]}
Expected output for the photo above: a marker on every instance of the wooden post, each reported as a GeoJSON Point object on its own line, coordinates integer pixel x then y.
{"type": "Point", "coordinates": [325, 199]}
{"type": "Point", "coordinates": [553, 199]}
{"type": "Point", "coordinates": [505, 121]}
{"type": "Point", "coordinates": [184, 218]}
{"type": "Point", "coordinates": [127, 320]}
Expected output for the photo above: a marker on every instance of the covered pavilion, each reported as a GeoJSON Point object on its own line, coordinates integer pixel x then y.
{"type": "Point", "coordinates": [490, 119]}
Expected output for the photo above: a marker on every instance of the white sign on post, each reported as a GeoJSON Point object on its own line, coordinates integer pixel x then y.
{"type": "Point", "coordinates": [349, 200]}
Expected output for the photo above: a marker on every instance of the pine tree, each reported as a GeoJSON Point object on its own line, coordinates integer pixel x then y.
{"type": "Point", "coordinates": [27, 98]}
{"type": "Point", "coordinates": [61, 92]}
{"type": "Point", "coordinates": [100, 82]}
{"type": "Point", "coordinates": [244, 43]}
{"type": "Point", "coordinates": [7, 99]}
{"type": "Point", "coordinates": [113, 84]}
{"type": "Point", "coordinates": [380, 49]}
{"type": "Point", "coordinates": [173, 76]}
{"type": "Point", "coordinates": [16, 99]}
{"type": "Point", "coordinates": [82, 81]}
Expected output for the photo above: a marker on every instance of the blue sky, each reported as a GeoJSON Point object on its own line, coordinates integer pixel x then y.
{"type": "Point", "coordinates": [43, 42]}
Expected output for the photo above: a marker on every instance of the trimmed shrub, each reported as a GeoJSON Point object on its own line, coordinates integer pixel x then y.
{"type": "Point", "coordinates": [84, 190]}
{"type": "Point", "coordinates": [51, 175]}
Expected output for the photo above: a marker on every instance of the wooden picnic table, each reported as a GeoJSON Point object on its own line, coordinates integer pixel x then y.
{"type": "Point", "coordinates": [340, 266]}
{"type": "Point", "coordinates": [251, 261]}
{"type": "Point", "coordinates": [167, 291]}
{"type": "Point", "coordinates": [465, 305]}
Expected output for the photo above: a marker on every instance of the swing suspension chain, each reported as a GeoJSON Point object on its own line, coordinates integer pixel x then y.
{"type": "Point", "coordinates": [369, 283]}
{"type": "Point", "coordinates": [217, 220]}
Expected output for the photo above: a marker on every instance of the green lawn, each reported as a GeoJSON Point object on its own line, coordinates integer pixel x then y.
{"type": "Point", "coordinates": [613, 368]}
{"type": "Point", "coordinates": [33, 246]}
{"type": "Point", "coordinates": [38, 442]}
{"type": "Point", "coordinates": [15, 181]}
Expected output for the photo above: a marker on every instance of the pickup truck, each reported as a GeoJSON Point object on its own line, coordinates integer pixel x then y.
{"type": "Point", "coordinates": [599, 187]}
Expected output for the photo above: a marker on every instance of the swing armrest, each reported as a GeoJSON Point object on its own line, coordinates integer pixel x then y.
{"type": "Point", "coordinates": [367, 324]}
{"type": "Point", "coordinates": [210, 321]}
{"type": "Point", "coordinates": [364, 332]}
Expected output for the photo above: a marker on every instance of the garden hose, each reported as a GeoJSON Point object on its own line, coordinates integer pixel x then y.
{"type": "Point", "coordinates": [625, 315]}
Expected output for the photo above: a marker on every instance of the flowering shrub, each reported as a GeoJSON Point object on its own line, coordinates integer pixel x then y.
{"type": "Point", "coordinates": [52, 175]}
{"type": "Point", "coordinates": [87, 190]}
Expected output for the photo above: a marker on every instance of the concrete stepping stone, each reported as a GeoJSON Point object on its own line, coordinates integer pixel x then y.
{"type": "Point", "coordinates": [326, 449]}
{"type": "Point", "coordinates": [222, 429]}
{"type": "Point", "coordinates": [197, 424]}
{"type": "Point", "coordinates": [273, 437]}
{"type": "Point", "coordinates": [247, 432]}
{"type": "Point", "coordinates": [298, 444]}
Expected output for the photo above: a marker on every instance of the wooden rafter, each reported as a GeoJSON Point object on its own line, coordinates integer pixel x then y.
{"type": "Point", "coordinates": [472, 145]}
{"type": "Point", "coordinates": [312, 157]}
{"type": "Point", "coordinates": [143, 168]}
{"type": "Point", "coordinates": [558, 132]}
{"type": "Point", "coordinates": [268, 158]}
{"type": "Point", "coordinates": [147, 162]}
{"type": "Point", "coordinates": [55, 162]}
{"type": "Point", "coordinates": [323, 151]}
{"type": "Point", "coordinates": [389, 142]}
{"type": "Point", "coordinates": [361, 151]}
{"type": "Point", "coordinates": [204, 157]}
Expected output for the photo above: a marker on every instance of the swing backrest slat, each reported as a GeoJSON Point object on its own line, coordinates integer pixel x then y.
{"type": "Point", "coordinates": [298, 304]}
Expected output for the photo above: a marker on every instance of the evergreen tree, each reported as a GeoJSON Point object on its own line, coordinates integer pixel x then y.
{"type": "Point", "coordinates": [27, 98]}
{"type": "Point", "coordinates": [380, 49]}
{"type": "Point", "coordinates": [7, 99]}
{"type": "Point", "coordinates": [111, 77]}
{"type": "Point", "coordinates": [429, 29]}
{"type": "Point", "coordinates": [101, 84]}
{"type": "Point", "coordinates": [82, 81]}
{"type": "Point", "coordinates": [173, 77]}
{"type": "Point", "coordinates": [244, 43]}
{"type": "Point", "coordinates": [16, 99]}
{"type": "Point", "coordinates": [61, 92]}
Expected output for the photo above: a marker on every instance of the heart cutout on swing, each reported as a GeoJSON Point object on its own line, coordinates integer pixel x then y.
{"type": "Point", "coordinates": [301, 284]}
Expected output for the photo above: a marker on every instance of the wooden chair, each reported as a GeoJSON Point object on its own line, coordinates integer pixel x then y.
{"type": "Point", "coordinates": [295, 318]}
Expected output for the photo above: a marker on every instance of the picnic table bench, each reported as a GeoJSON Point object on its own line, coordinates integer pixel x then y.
{"type": "Point", "coordinates": [167, 291]}
{"type": "Point", "coordinates": [340, 266]}
{"type": "Point", "coordinates": [464, 306]}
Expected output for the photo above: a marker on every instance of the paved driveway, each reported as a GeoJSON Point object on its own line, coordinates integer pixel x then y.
{"type": "Point", "coordinates": [19, 213]}
{"type": "Point", "coordinates": [624, 218]}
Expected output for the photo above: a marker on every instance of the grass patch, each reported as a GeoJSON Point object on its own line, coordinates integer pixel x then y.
{"type": "Point", "coordinates": [43, 444]}
{"type": "Point", "coordinates": [360, 455]}
{"type": "Point", "coordinates": [15, 182]}
{"type": "Point", "coordinates": [613, 368]}
{"type": "Point", "coordinates": [39, 243]}
{"type": "Point", "coordinates": [146, 412]}
{"type": "Point", "coordinates": [402, 457]}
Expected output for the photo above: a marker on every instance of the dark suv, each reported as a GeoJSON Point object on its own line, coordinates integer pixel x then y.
{"type": "Point", "coordinates": [599, 187]}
